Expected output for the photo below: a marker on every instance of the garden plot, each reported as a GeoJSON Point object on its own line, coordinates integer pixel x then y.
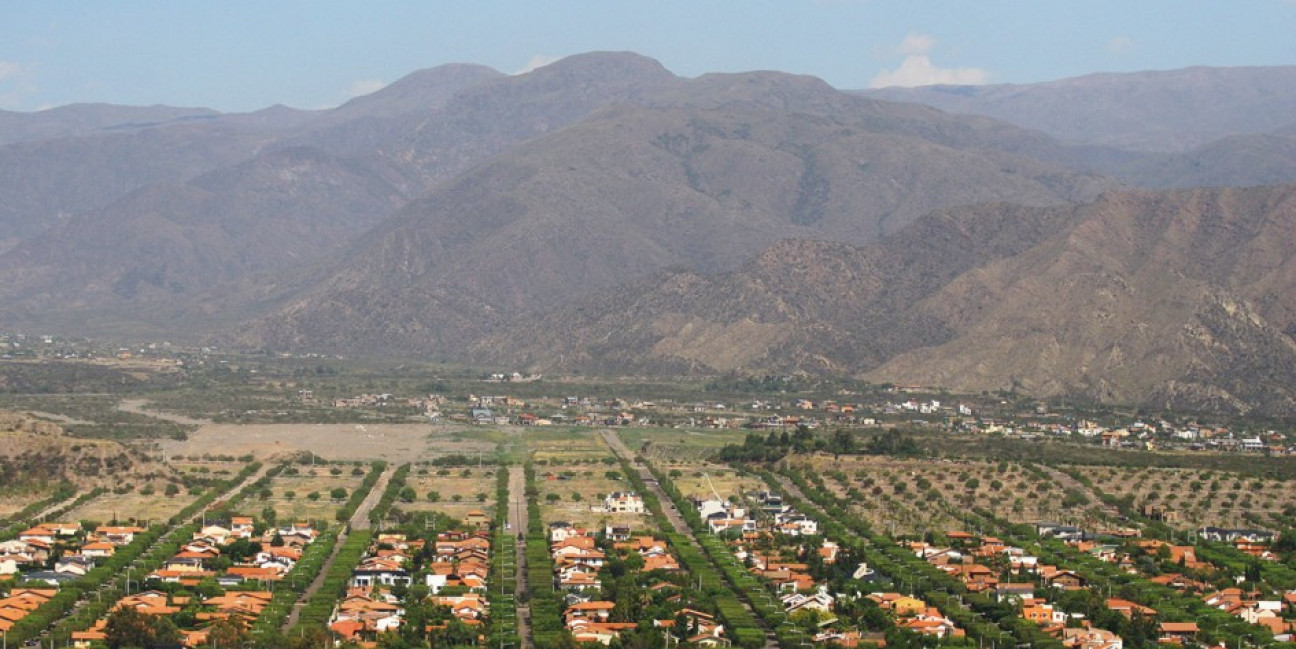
{"type": "Point", "coordinates": [705, 480]}
{"type": "Point", "coordinates": [310, 497]}
{"type": "Point", "coordinates": [563, 445]}
{"type": "Point", "coordinates": [1196, 497]}
{"type": "Point", "coordinates": [449, 491]}
{"type": "Point", "coordinates": [572, 492]}
{"type": "Point", "coordinates": [139, 504]}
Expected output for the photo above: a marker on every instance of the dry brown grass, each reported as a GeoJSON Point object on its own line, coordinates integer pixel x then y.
{"type": "Point", "coordinates": [454, 484]}
{"type": "Point", "coordinates": [132, 506]}
{"type": "Point", "coordinates": [561, 445]}
{"type": "Point", "coordinates": [300, 507]}
{"type": "Point", "coordinates": [699, 478]}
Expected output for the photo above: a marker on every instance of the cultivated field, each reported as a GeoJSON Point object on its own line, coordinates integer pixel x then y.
{"type": "Point", "coordinates": [1198, 497]}
{"type": "Point", "coordinates": [391, 442]}
{"type": "Point", "coordinates": [913, 496]}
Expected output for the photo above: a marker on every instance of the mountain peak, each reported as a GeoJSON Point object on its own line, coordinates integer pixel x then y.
{"type": "Point", "coordinates": [607, 65]}
{"type": "Point", "coordinates": [420, 90]}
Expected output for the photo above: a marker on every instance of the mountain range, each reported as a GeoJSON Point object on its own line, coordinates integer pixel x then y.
{"type": "Point", "coordinates": [601, 214]}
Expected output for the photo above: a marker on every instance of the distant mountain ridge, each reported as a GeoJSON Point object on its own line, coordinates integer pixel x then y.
{"type": "Point", "coordinates": [1166, 111]}
{"type": "Point", "coordinates": [704, 177]}
{"type": "Point", "coordinates": [603, 214]}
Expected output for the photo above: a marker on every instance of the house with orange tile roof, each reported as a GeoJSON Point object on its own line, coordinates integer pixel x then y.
{"type": "Point", "coordinates": [1178, 632]}
{"type": "Point", "coordinates": [1129, 609]}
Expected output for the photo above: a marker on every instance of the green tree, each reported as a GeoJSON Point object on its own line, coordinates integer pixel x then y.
{"type": "Point", "coordinates": [128, 627]}
{"type": "Point", "coordinates": [225, 634]}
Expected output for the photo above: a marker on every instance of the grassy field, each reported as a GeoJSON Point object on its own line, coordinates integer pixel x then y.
{"type": "Point", "coordinates": [679, 443]}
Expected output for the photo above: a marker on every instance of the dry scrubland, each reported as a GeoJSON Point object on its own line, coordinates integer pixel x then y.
{"type": "Point", "coordinates": [14, 499]}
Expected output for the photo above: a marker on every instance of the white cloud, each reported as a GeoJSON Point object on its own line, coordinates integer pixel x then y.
{"type": "Point", "coordinates": [536, 62]}
{"type": "Point", "coordinates": [917, 68]}
{"type": "Point", "coordinates": [1123, 44]}
{"type": "Point", "coordinates": [9, 70]}
{"type": "Point", "coordinates": [16, 85]}
{"type": "Point", "coordinates": [365, 87]}
{"type": "Point", "coordinates": [916, 44]}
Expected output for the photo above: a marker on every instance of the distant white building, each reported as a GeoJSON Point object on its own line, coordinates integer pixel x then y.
{"type": "Point", "coordinates": [623, 502]}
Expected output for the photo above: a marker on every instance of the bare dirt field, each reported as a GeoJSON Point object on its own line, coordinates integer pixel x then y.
{"type": "Point", "coordinates": [391, 442]}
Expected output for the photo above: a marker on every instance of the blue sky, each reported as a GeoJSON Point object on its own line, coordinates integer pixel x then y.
{"type": "Point", "coordinates": [237, 55]}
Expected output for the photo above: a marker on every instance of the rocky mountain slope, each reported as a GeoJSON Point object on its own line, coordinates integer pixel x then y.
{"type": "Point", "coordinates": [1177, 298]}
{"type": "Point", "coordinates": [705, 176]}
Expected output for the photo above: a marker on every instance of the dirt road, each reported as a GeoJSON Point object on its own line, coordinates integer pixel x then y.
{"type": "Point", "coordinates": [518, 521]}
{"type": "Point", "coordinates": [136, 406]}
{"type": "Point", "coordinates": [359, 521]}
{"type": "Point", "coordinates": [677, 521]}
